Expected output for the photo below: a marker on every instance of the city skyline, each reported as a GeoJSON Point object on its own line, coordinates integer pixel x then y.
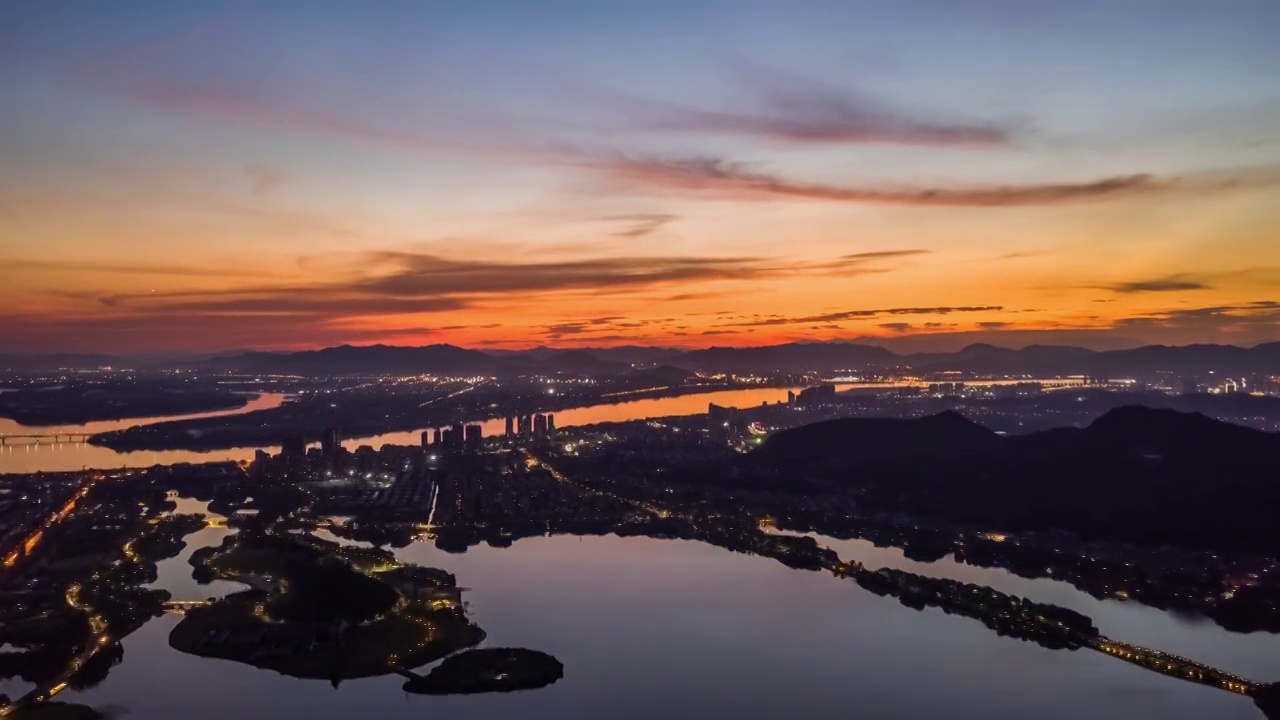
{"type": "Point", "coordinates": [507, 175]}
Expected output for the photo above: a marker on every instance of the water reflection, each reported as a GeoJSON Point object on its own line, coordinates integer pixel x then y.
{"type": "Point", "coordinates": [1252, 655]}
{"type": "Point", "coordinates": [174, 574]}
{"type": "Point", "coordinates": [49, 457]}
{"type": "Point", "coordinates": [658, 628]}
{"type": "Point", "coordinates": [616, 412]}
{"type": "Point", "coordinates": [74, 456]}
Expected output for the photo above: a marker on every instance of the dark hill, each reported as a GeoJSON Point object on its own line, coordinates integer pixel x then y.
{"type": "Point", "coordinates": [852, 441]}
{"type": "Point", "coordinates": [1142, 475]}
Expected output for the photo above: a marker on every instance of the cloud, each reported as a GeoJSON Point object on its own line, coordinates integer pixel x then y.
{"type": "Point", "coordinates": [720, 178]}
{"type": "Point", "coordinates": [885, 254]}
{"type": "Point", "coordinates": [263, 178]}
{"type": "Point", "coordinates": [641, 224]}
{"type": "Point", "coordinates": [130, 333]}
{"type": "Point", "coordinates": [1171, 283]}
{"type": "Point", "coordinates": [1260, 318]}
{"type": "Point", "coordinates": [21, 265]}
{"type": "Point", "coordinates": [770, 320]}
{"type": "Point", "coordinates": [374, 286]}
{"type": "Point", "coordinates": [896, 326]}
{"type": "Point", "coordinates": [715, 177]}
{"type": "Point", "coordinates": [993, 325]}
{"type": "Point", "coordinates": [787, 108]}
{"type": "Point", "coordinates": [391, 283]}
{"type": "Point", "coordinates": [405, 282]}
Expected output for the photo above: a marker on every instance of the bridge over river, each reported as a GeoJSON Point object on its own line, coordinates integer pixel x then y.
{"type": "Point", "coordinates": [180, 607]}
{"type": "Point", "coordinates": [43, 438]}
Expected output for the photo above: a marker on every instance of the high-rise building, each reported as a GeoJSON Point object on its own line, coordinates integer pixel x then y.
{"type": "Point", "coordinates": [294, 446]}
{"type": "Point", "coordinates": [426, 439]}
{"type": "Point", "coordinates": [539, 427]}
{"type": "Point", "coordinates": [551, 426]}
{"type": "Point", "coordinates": [526, 427]}
{"type": "Point", "coordinates": [330, 441]}
{"type": "Point", "coordinates": [439, 438]}
{"type": "Point", "coordinates": [720, 416]}
{"type": "Point", "coordinates": [446, 438]}
{"type": "Point", "coordinates": [458, 437]}
{"type": "Point", "coordinates": [791, 397]}
{"type": "Point", "coordinates": [474, 438]}
{"type": "Point", "coordinates": [511, 427]}
{"type": "Point", "coordinates": [822, 394]}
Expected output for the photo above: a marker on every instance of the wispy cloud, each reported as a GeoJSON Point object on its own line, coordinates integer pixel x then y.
{"type": "Point", "coordinates": [22, 265]}
{"type": "Point", "coordinates": [264, 177]}
{"type": "Point", "coordinates": [789, 108]}
{"type": "Point", "coordinates": [641, 224]}
{"type": "Point", "coordinates": [718, 178]}
{"type": "Point", "coordinates": [843, 315]}
{"type": "Point", "coordinates": [399, 282]}
{"type": "Point", "coordinates": [1190, 281]}
{"type": "Point", "coordinates": [1172, 283]}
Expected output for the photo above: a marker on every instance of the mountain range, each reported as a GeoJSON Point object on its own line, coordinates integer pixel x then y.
{"type": "Point", "coordinates": [800, 357]}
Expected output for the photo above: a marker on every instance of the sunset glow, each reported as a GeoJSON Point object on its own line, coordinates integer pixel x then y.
{"type": "Point", "coordinates": [512, 174]}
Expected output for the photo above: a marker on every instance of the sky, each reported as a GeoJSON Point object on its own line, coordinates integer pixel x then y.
{"type": "Point", "coordinates": [207, 176]}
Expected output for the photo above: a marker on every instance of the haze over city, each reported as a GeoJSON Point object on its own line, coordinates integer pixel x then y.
{"type": "Point", "coordinates": [206, 177]}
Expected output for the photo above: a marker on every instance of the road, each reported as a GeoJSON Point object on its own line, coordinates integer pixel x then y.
{"type": "Point", "coordinates": [100, 640]}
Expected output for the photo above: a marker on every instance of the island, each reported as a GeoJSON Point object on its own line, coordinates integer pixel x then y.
{"type": "Point", "coordinates": [489, 670]}
{"type": "Point", "coordinates": [316, 609]}
{"type": "Point", "coordinates": [56, 711]}
{"type": "Point", "coordinates": [83, 402]}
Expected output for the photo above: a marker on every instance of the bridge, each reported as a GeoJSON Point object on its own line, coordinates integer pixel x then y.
{"type": "Point", "coordinates": [180, 607]}
{"type": "Point", "coordinates": [37, 438]}
{"type": "Point", "coordinates": [1176, 666]}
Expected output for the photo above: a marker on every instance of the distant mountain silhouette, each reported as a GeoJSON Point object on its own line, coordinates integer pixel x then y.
{"type": "Point", "coordinates": [376, 360]}
{"type": "Point", "coordinates": [790, 357]}
{"type": "Point", "coordinates": [56, 361]}
{"type": "Point", "coordinates": [983, 358]}
{"type": "Point", "coordinates": [798, 357]}
{"type": "Point", "coordinates": [1187, 360]}
{"type": "Point", "coordinates": [663, 374]}
{"type": "Point", "coordinates": [1152, 476]}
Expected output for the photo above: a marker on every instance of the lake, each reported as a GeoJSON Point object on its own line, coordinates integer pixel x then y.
{"type": "Point", "coordinates": [652, 628]}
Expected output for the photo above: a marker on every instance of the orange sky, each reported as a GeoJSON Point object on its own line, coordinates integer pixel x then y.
{"type": "Point", "coordinates": [181, 182]}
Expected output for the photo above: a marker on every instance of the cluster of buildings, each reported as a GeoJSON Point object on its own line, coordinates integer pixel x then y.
{"type": "Point", "coordinates": [454, 439]}
{"type": "Point", "coordinates": [537, 427]}
{"type": "Point", "coordinates": [1227, 385]}
{"type": "Point", "coordinates": [29, 504]}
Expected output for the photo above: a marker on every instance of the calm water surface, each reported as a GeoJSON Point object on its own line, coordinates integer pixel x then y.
{"type": "Point", "coordinates": [672, 629]}
{"type": "Point", "coordinates": [50, 457]}
{"type": "Point", "coordinates": [74, 456]}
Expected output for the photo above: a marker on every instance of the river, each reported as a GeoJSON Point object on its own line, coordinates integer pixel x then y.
{"type": "Point", "coordinates": [76, 455]}
{"type": "Point", "coordinates": [667, 628]}
{"type": "Point", "coordinates": [50, 457]}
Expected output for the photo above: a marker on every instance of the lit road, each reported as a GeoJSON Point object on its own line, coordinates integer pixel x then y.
{"type": "Point", "coordinates": [531, 461]}
{"type": "Point", "coordinates": [454, 394]}
{"type": "Point", "coordinates": [32, 540]}
{"type": "Point", "coordinates": [101, 639]}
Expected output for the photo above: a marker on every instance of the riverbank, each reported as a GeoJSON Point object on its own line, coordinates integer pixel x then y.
{"type": "Point", "coordinates": [50, 407]}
